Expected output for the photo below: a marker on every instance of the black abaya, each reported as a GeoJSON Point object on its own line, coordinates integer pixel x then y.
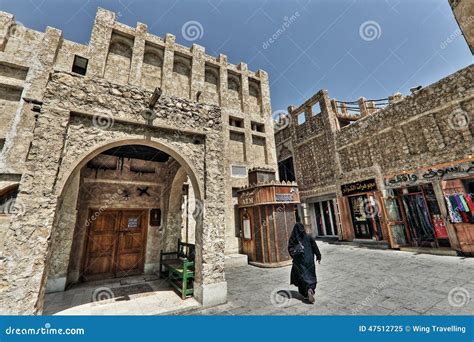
{"type": "Point", "coordinates": [303, 272]}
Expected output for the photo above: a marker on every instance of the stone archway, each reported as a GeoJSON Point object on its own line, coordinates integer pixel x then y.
{"type": "Point", "coordinates": [66, 137]}
{"type": "Point", "coordinates": [101, 190]}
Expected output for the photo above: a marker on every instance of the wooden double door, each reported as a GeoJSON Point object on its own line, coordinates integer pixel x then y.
{"type": "Point", "coordinates": [115, 244]}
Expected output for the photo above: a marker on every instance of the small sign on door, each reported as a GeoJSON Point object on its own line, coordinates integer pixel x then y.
{"type": "Point", "coordinates": [132, 222]}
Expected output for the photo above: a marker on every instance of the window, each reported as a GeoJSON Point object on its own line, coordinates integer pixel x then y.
{"type": "Point", "coordinates": [301, 118]}
{"type": "Point", "coordinates": [2, 143]}
{"type": "Point", "coordinates": [286, 170]}
{"type": "Point", "coordinates": [211, 74]}
{"type": "Point", "coordinates": [80, 65]}
{"type": "Point", "coordinates": [7, 200]}
{"type": "Point", "coordinates": [236, 122]}
{"type": "Point", "coordinates": [239, 171]}
{"type": "Point", "coordinates": [254, 88]}
{"type": "Point", "coordinates": [233, 82]}
{"type": "Point", "coordinates": [182, 64]}
{"type": "Point", "coordinates": [316, 109]}
{"type": "Point", "coordinates": [258, 127]}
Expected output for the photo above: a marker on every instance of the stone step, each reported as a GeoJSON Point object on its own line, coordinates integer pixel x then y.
{"type": "Point", "coordinates": [236, 260]}
{"type": "Point", "coordinates": [372, 244]}
{"type": "Point", "coordinates": [427, 250]}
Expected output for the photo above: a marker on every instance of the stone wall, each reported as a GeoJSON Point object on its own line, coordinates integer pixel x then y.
{"type": "Point", "coordinates": [132, 56]}
{"type": "Point", "coordinates": [313, 147]}
{"type": "Point", "coordinates": [432, 126]}
{"type": "Point", "coordinates": [81, 117]}
{"type": "Point", "coordinates": [464, 13]}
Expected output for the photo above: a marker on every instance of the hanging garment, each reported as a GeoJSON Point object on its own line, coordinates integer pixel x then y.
{"type": "Point", "coordinates": [454, 212]}
{"type": "Point", "coordinates": [464, 203]}
{"type": "Point", "coordinates": [458, 202]}
{"type": "Point", "coordinates": [462, 208]}
{"type": "Point", "coordinates": [470, 202]}
{"type": "Point", "coordinates": [418, 218]}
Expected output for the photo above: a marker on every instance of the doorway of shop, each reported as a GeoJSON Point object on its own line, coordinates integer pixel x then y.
{"type": "Point", "coordinates": [421, 210]}
{"type": "Point", "coordinates": [365, 216]}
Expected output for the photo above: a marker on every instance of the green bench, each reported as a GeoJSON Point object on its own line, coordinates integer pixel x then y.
{"type": "Point", "coordinates": [178, 268]}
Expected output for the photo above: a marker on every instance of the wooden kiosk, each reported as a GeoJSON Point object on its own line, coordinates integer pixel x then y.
{"type": "Point", "coordinates": [267, 216]}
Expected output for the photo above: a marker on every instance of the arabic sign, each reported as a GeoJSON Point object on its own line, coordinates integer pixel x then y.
{"type": "Point", "coordinates": [460, 170]}
{"type": "Point", "coordinates": [284, 196]}
{"type": "Point", "coordinates": [358, 187]}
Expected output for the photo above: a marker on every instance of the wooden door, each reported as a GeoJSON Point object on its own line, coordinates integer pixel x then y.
{"type": "Point", "coordinates": [131, 243]}
{"type": "Point", "coordinates": [398, 232]}
{"type": "Point", "coordinates": [101, 245]}
{"type": "Point", "coordinates": [116, 244]}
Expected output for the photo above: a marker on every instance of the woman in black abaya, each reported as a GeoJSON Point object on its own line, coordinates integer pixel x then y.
{"type": "Point", "coordinates": [302, 248]}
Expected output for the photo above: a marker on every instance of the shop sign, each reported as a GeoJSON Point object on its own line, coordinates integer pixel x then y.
{"type": "Point", "coordinates": [358, 187]}
{"type": "Point", "coordinates": [247, 198]}
{"type": "Point", "coordinates": [291, 196]}
{"type": "Point", "coordinates": [449, 172]}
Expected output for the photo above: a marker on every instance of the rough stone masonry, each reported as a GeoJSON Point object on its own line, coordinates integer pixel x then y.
{"type": "Point", "coordinates": [64, 103]}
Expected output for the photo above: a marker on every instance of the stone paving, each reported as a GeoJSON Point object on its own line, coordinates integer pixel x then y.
{"type": "Point", "coordinates": [136, 295]}
{"type": "Point", "coordinates": [351, 281]}
{"type": "Point", "coordinates": [360, 281]}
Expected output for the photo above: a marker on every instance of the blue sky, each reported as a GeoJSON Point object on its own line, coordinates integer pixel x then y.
{"type": "Point", "coordinates": [353, 48]}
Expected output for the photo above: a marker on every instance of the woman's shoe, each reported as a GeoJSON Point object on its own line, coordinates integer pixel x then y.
{"type": "Point", "coordinates": [311, 295]}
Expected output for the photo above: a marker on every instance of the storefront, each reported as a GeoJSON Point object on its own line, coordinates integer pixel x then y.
{"type": "Point", "coordinates": [362, 199]}
{"type": "Point", "coordinates": [431, 207]}
{"type": "Point", "coordinates": [414, 217]}
{"type": "Point", "coordinates": [459, 198]}
{"type": "Point", "coordinates": [324, 216]}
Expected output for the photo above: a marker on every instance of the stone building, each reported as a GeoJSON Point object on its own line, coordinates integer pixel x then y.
{"type": "Point", "coordinates": [284, 148]}
{"type": "Point", "coordinates": [463, 11]}
{"type": "Point", "coordinates": [383, 171]}
{"type": "Point", "coordinates": [87, 146]}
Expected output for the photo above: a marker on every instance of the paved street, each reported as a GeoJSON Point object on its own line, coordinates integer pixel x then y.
{"type": "Point", "coordinates": [361, 281]}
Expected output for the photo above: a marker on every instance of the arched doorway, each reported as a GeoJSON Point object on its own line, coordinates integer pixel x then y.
{"type": "Point", "coordinates": [51, 185]}
{"type": "Point", "coordinates": [117, 213]}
